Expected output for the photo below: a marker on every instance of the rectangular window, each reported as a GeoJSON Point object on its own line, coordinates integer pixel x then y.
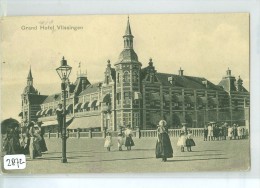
{"type": "Point", "coordinates": [127, 97]}
{"type": "Point", "coordinates": [118, 97]}
{"type": "Point", "coordinates": [127, 119]}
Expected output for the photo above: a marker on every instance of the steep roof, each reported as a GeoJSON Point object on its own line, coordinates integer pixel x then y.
{"type": "Point", "coordinates": [29, 74]}
{"type": "Point", "coordinates": [128, 28]}
{"type": "Point", "coordinates": [36, 99]}
{"type": "Point", "coordinates": [187, 81]}
{"type": "Point", "coordinates": [127, 55]}
{"type": "Point", "coordinates": [91, 89]}
{"type": "Point", "coordinates": [53, 98]}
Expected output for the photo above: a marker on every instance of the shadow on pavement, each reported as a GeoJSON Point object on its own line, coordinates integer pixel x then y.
{"type": "Point", "coordinates": [206, 150]}
{"type": "Point", "coordinates": [107, 160]}
{"type": "Point", "coordinates": [198, 159]}
{"type": "Point", "coordinates": [197, 155]}
{"type": "Point", "coordinates": [58, 158]}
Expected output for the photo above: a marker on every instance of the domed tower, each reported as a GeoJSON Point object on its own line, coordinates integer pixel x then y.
{"type": "Point", "coordinates": [31, 100]}
{"type": "Point", "coordinates": [128, 84]}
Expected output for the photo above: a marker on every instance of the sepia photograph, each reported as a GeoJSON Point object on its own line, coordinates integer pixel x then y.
{"type": "Point", "coordinates": [137, 93]}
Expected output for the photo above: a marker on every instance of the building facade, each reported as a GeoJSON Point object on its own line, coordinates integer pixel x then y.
{"type": "Point", "coordinates": [130, 94]}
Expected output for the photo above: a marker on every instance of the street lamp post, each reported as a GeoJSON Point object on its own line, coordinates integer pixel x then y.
{"type": "Point", "coordinates": [64, 71]}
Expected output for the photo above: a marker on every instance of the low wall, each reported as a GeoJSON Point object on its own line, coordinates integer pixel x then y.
{"type": "Point", "coordinates": [197, 132]}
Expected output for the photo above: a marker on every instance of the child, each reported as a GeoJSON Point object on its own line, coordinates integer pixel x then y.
{"type": "Point", "coordinates": [108, 141]}
{"type": "Point", "coordinates": [182, 141]}
{"type": "Point", "coordinates": [120, 141]}
{"type": "Point", "coordinates": [189, 141]}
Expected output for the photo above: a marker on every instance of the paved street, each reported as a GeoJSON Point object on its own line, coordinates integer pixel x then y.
{"type": "Point", "coordinates": [87, 155]}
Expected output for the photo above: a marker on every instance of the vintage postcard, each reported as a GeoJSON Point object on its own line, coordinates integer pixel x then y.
{"type": "Point", "coordinates": [125, 93]}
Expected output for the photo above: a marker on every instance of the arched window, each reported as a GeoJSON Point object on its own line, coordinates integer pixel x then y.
{"type": "Point", "coordinates": [126, 77]}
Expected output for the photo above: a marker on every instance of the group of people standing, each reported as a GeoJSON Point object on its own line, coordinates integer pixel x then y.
{"type": "Point", "coordinates": [236, 132]}
{"type": "Point", "coordinates": [25, 140]}
{"type": "Point", "coordinates": [220, 132]}
{"type": "Point", "coordinates": [163, 148]}
{"type": "Point", "coordinates": [185, 139]}
{"type": "Point", "coordinates": [123, 138]}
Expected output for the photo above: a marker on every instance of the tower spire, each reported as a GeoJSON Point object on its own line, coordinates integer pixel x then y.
{"type": "Point", "coordinates": [128, 28]}
{"type": "Point", "coordinates": [30, 78]}
{"type": "Point", "coordinates": [128, 37]}
{"type": "Point", "coordinates": [30, 74]}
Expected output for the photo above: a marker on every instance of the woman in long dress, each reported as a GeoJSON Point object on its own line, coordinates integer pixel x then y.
{"type": "Point", "coordinates": [128, 138]}
{"type": "Point", "coordinates": [163, 144]}
{"type": "Point", "coordinates": [35, 137]}
{"type": "Point", "coordinates": [42, 141]}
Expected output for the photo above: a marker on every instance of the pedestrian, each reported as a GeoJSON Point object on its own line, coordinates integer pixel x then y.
{"type": "Point", "coordinates": [230, 132]}
{"type": "Point", "coordinates": [11, 144]}
{"type": "Point", "coordinates": [205, 133]}
{"type": "Point", "coordinates": [189, 141]}
{"type": "Point", "coordinates": [220, 133]}
{"type": "Point", "coordinates": [42, 141]}
{"type": "Point", "coordinates": [128, 140]}
{"type": "Point", "coordinates": [210, 131]}
{"type": "Point", "coordinates": [182, 141]}
{"type": "Point", "coordinates": [239, 132]}
{"type": "Point", "coordinates": [224, 130]}
{"type": "Point", "coordinates": [214, 131]}
{"type": "Point", "coordinates": [120, 141]}
{"type": "Point", "coordinates": [163, 144]}
{"type": "Point", "coordinates": [108, 141]}
{"type": "Point", "coordinates": [235, 131]}
{"type": "Point", "coordinates": [60, 115]}
{"type": "Point", "coordinates": [243, 133]}
{"type": "Point", "coordinates": [35, 137]}
{"type": "Point", "coordinates": [25, 140]}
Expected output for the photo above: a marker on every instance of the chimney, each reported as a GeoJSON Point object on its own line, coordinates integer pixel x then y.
{"type": "Point", "coordinates": [181, 72]}
{"type": "Point", "coordinates": [205, 83]}
{"type": "Point", "coordinates": [239, 84]}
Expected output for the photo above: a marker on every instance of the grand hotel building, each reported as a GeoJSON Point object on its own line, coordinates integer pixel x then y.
{"type": "Point", "coordinates": [138, 95]}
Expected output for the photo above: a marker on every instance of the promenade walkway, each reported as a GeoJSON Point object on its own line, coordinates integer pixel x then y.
{"type": "Point", "coordinates": [87, 155]}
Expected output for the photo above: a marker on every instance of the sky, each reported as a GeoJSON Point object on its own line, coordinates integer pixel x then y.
{"type": "Point", "coordinates": [203, 45]}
